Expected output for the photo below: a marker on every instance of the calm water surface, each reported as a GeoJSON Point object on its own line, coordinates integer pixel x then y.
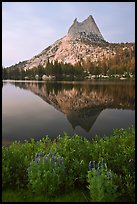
{"type": "Point", "coordinates": [33, 110]}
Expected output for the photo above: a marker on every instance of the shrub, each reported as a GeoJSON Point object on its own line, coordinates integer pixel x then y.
{"type": "Point", "coordinates": [118, 151]}
{"type": "Point", "coordinates": [6, 177]}
{"type": "Point", "coordinates": [75, 151]}
{"type": "Point", "coordinates": [101, 185]}
{"type": "Point", "coordinates": [16, 159]}
{"type": "Point", "coordinates": [46, 173]}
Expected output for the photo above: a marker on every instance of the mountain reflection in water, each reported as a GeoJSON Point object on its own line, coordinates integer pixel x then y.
{"type": "Point", "coordinates": [83, 102]}
{"type": "Point", "coordinates": [36, 109]}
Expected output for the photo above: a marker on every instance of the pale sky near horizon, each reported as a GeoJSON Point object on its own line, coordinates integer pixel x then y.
{"type": "Point", "coordinates": [30, 27]}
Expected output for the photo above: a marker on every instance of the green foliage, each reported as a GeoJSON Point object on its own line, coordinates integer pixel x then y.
{"type": "Point", "coordinates": [75, 151]}
{"type": "Point", "coordinates": [101, 184]}
{"type": "Point", "coordinates": [117, 150]}
{"type": "Point", "coordinates": [16, 159]}
{"type": "Point", "coordinates": [6, 176]}
{"type": "Point", "coordinates": [25, 195]}
{"type": "Point", "coordinates": [40, 71]}
{"type": "Point", "coordinates": [46, 173]}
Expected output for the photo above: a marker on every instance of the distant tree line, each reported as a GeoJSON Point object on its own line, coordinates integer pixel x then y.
{"type": "Point", "coordinates": [59, 70]}
{"type": "Point", "coordinates": [122, 62]}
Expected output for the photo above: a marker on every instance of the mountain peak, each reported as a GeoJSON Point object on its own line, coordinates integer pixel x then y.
{"type": "Point", "coordinates": [86, 29]}
{"type": "Point", "coordinates": [90, 17]}
{"type": "Point", "coordinates": [75, 21]}
{"type": "Point", "coordinates": [83, 41]}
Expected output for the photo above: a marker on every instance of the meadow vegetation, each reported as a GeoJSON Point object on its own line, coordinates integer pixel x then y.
{"type": "Point", "coordinates": [71, 168]}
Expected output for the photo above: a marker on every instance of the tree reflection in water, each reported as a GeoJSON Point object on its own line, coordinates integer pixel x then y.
{"type": "Point", "coordinates": [82, 102]}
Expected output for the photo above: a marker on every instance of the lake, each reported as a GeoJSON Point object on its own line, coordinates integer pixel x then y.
{"type": "Point", "coordinates": [37, 109]}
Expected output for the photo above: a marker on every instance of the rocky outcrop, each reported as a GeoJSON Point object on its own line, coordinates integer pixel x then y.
{"type": "Point", "coordinates": [85, 30]}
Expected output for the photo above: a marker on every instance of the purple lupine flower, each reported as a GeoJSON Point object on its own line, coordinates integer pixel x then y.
{"type": "Point", "coordinates": [48, 155]}
{"type": "Point", "coordinates": [45, 158]}
{"type": "Point", "coordinates": [56, 159]}
{"type": "Point", "coordinates": [94, 165]}
{"type": "Point", "coordinates": [54, 153]}
{"type": "Point", "coordinates": [103, 164]}
{"type": "Point", "coordinates": [109, 175]}
{"type": "Point", "coordinates": [52, 158]}
{"type": "Point", "coordinates": [55, 164]}
{"type": "Point", "coordinates": [36, 155]}
{"type": "Point", "coordinates": [41, 154]}
{"type": "Point", "coordinates": [98, 164]}
{"type": "Point", "coordinates": [62, 162]}
{"type": "Point", "coordinates": [37, 159]}
{"type": "Point", "coordinates": [89, 166]}
{"type": "Point", "coordinates": [98, 171]}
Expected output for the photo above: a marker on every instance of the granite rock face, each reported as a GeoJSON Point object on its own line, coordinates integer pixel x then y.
{"type": "Point", "coordinates": [86, 29]}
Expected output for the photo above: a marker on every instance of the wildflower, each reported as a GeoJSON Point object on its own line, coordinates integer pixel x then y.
{"type": "Point", "coordinates": [48, 155]}
{"type": "Point", "coordinates": [109, 175]}
{"type": "Point", "coordinates": [56, 160]}
{"type": "Point", "coordinates": [36, 155]}
{"type": "Point", "coordinates": [98, 164]}
{"type": "Point", "coordinates": [37, 159]}
{"type": "Point", "coordinates": [41, 154]}
{"type": "Point", "coordinates": [89, 166]}
{"type": "Point", "coordinates": [98, 171]}
{"type": "Point", "coordinates": [62, 160]}
{"type": "Point", "coordinates": [52, 158]}
{"type": "Point", "coordinates": [103, 164]}
{"type": "Point", "coordinates": [54, 153]}
{"type": "Point", "coordinates": [45, 158]}
{"type": "Point", "coordinates": [94, 164]}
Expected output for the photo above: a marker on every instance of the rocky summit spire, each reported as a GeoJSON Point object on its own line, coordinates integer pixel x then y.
{"type": "Point", "coordinates": [86, 29]}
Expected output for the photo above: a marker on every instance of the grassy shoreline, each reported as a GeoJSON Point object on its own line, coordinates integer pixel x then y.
{"type": "Point", "coordinates": [27, 196]}
{"type": "Point", "coordinates": [117, 150]}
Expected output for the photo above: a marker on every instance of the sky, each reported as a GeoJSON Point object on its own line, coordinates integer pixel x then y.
{"type": "Point", "coordinates": [30, 27]}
